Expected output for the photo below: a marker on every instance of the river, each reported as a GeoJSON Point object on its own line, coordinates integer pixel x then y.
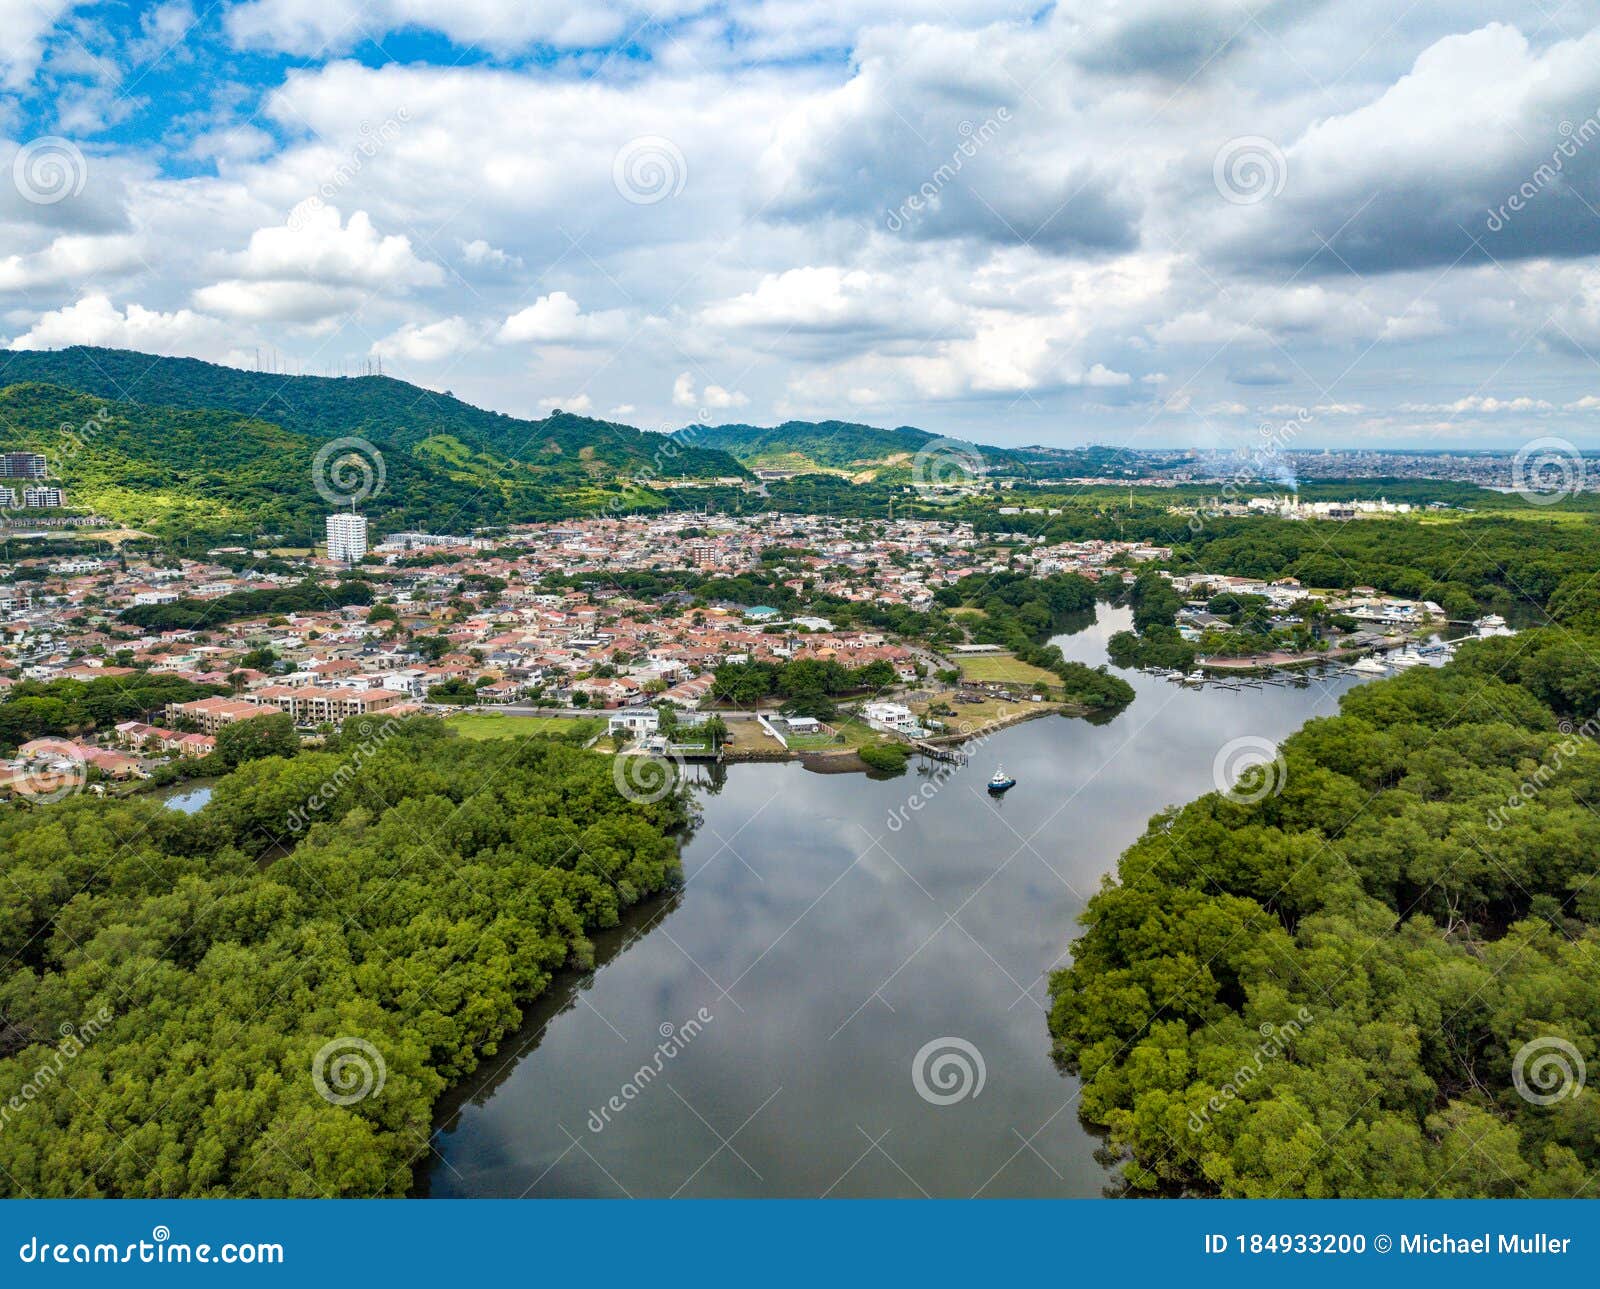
{"type": "Point", "coordinates": [814, 952]}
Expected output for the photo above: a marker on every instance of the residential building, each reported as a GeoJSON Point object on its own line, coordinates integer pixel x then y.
{"type": "Point", "coordinates": [347, 536]}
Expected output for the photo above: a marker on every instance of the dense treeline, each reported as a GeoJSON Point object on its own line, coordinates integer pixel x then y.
{"type": "Point", "coordinates": [808, 685]}
{"type": "Point", "coordinates": [433, 886]}
{"type": "Point", "coordinates": [307, 597]}
{"type": "Point", "coordinates": [35, 708]}
{"type": "Point", "coordinates": [1321, 984]}
{"type": "Point", "coordinates": [1019, 612]}
{"type": "Point", "coordinates": [377, 408]}
{"type": "Point", "coordinates": [1512, 562]}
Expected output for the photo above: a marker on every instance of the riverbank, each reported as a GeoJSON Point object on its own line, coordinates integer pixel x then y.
{"type": "Point", "coordinates": [814, 927]}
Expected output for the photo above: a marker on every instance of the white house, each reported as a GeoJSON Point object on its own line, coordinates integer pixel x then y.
{"type": "Point", "coordinates": [896, 718]}
{"type": "Point", "coordinates": [637, 721]}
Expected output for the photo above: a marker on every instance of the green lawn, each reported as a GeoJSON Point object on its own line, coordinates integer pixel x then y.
{"type": "Point", "coordinates": [500, 725]}
{"type": "Point", "coordinates": [1005, 669]}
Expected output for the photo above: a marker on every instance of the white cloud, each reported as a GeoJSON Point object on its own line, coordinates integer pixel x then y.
{"type": "Point", "coordinates": [292, 302]}
{"type": "Point", "coordinates": [427, 342]}
{"type": "Point", "coordinates": [314, 247]}
{"type": "Point", "coordinates": [577, 405]}
{"type": "Point", "coordinates": [556, 319]}
{"type": "Point", "coordinates": [94, 320]}
{"type": "Point", "coordinates": [479, 253]}
{"type": "Point", "coordinates": [25, 24]}
{"type": "Point", "coordinates": [72, 259]}
{"type": "Point", "coordinates": [712, 397]}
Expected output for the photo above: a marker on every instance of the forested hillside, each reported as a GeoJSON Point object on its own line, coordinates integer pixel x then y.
{"type": "Point", "coordinates": [213, 1027]}
{"type": "Point", "coordinates": [178, 471]}
{"type": "Point", "coordinates": [181, 471]}
{"type": "Point", "coordinates": [375, 407]}
{"type": "Point", "coordinates": [1377, 979]}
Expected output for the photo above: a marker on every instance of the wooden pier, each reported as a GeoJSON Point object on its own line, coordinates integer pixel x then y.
{"type": "Point", "coordinates": [954, 755]}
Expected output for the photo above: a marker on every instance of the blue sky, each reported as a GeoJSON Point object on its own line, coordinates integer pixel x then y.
{"type": "Point", "coordinates": [1161, 222]}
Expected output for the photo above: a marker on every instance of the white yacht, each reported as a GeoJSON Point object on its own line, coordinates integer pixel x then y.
{"type": "Point", "coordinates": [1367, 665]}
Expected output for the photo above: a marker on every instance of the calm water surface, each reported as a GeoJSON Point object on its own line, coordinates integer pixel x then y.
{"type": "Point", "coordinates": [828, 950]}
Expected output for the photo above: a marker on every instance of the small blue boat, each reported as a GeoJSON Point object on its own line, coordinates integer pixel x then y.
{"type": "Point", "coordinates": [1000, 781]}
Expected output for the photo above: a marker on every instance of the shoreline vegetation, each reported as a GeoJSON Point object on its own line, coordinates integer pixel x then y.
{"type": "Point", "coordinates": [394, 945]}
{"type": "Point", "coordinates": [1364, 880]}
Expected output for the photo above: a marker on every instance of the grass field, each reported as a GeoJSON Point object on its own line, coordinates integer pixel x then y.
{"type": "Point", "coordinates": [499, 725]}
{"type": "Point", "coordinates": [1005, 669]}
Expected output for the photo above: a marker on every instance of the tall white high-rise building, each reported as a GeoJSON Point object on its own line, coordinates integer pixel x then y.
{"type": "Point", "coordinates": [347, 537]}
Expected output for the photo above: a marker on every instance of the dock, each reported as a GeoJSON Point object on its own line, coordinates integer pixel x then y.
{"type": "Point", "coordinates": [954, 755]}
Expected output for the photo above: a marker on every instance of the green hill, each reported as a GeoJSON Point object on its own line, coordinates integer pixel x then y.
{"type": "Point", "coordinates": [799, 445]}
{"type": "Point", "coordinates": [890, 456]}
{"type": "Point", "coordinates": [205, 473]}
{"type": "Point", "coordinates": [571, 450]}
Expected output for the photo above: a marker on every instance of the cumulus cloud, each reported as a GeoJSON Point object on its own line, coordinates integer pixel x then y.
{"type": "Point", "coordinates": [930, 215]}
{"type": "Point", "coordinates": [71, 259]}
{"type": "Point", "coordinates": [94, 320]}
{"type": "Point", "coordinates": [712, 397]}
{"type": "Point", "coordinates": [557, 319]}
{"type": "Point", "coordinates": [427, 342]}
{"type": "Point", "coordinates": [315, 246]}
